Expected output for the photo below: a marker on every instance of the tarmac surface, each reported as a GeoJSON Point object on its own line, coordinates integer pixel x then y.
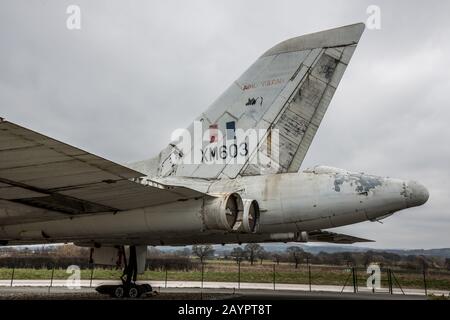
{"type": "Point", "coordinates": [62, 293]}
{"type": "Point", "coordinates": [85, 293]}
{"type": "Point", "coordinates": [321, 290]}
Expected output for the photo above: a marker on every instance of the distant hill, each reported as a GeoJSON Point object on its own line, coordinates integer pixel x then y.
{"type": "Point", "coordinates": [313, 249]}
{"type": "Point", "coordinates": [445, 252]}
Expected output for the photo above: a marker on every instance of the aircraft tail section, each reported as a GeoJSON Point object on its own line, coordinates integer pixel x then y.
{"type": "Point", "coordinates": [266, 120]}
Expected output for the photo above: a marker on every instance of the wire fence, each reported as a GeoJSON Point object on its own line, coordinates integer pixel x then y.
{"type": "Point", "coordinates": [264, 275]}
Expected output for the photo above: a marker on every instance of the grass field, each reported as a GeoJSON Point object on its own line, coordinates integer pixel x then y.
{"type": "Point", "coordinates": [228, 272]}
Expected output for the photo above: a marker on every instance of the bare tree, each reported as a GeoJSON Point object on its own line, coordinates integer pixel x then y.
{"type": "Point", "coordinates": [252, 250]}
{"type": "Point", "coordinates": [296, 254]}
{"type": "Point", "coordinates": [238, 254]}
{"type": "Point", "coordinates": [202, 252]}
{"type": "Point", "coordinates": [447, 263]}
{"type": "Point", "coordinates": [277, 257]}
{"type": "Point", "coordinates": [262, 254]}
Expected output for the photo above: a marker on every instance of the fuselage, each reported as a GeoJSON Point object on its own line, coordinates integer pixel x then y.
{"type": "Point", "coordinates": [324, 198]}
{"type": "Point", "coordinates": [289, 204]}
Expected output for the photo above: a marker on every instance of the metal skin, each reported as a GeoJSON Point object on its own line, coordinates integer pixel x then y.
{"type": "Point", "coordinates": [51, 192]}
{"type": "Point", "coordinates": [289, 204]}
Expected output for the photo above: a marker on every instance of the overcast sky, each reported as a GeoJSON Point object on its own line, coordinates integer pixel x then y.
{"type": "Point", "coordinates": [137, 70]}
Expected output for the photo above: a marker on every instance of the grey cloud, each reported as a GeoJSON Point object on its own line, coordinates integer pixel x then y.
{"type": "Point", "coordinates": [138, 70]}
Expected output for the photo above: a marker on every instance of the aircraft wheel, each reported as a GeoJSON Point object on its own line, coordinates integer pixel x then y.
{"type": "Point", "coordinates": [133, 292]}
{"type": "Point", "coordinates": [119, 292]}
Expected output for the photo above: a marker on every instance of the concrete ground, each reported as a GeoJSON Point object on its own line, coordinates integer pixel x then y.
{"type": "Point", "coordinates": [191, 290]}
{"type": "Point", "coordinates": [227, 285]}
{"type": "Point", "coordinates": [63, 293]}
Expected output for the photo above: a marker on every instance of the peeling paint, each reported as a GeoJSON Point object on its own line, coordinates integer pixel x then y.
{"type": "Point", "coordinates": [363, 183]}
{"type": "Point", "coordinates": [404, 190]}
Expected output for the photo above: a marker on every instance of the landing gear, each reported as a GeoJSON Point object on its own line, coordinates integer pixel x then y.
{"type": "Point", "coordinates": [119, 291]}
{"type": "Point", "coordinates": [129, 288]}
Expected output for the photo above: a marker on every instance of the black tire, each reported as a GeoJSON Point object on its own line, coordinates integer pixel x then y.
{"type": "Point", "coordinates": [118, 292]}
{"type": "Point", "coordinates": [134, 292]}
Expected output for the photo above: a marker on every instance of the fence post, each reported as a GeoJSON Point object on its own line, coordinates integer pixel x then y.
{"type": "Point", "coordinates": [309, 276]}
{"type": "Point", "coordinates": [354, 279]}
{"type": "Point", "coordinates": [390, 281]}
{"type": "Point", "coordinates": [203, 269]}
{"type": "Point", "coordinates": [51, 280]}
{"type": "Point", "coordinates": [165, 278]}
{"type": "Point", "coordinates": [12, 276]}
{"type": "Point", "coordinates": [274, 277]}
{"type": "Point", "coordinates": [92, 275]}
{"type": "Point", "coordinates": [239, 274]}
{"type": "Point", "coordinates": [346, 281]}
{"type": "Point", "coordinates": [425, 281]}
{"type": "Point", "coordinates": [398, 283]}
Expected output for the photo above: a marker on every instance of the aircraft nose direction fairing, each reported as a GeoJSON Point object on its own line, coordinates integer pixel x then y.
{"type": "Point", "coordinates": [417, 194]}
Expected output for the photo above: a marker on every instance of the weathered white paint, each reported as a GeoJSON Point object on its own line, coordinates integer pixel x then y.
{"type": "Point", "coordinates": [289, 203]}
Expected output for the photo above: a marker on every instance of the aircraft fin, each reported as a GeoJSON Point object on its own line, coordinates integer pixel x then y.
{"type": "Point", "coordinates": [283, 96]}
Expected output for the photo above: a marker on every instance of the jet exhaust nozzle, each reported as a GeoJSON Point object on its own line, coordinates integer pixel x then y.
{"type": "Point", "coordinates": [249, 219]}
{"type": "Point", "coordinates": [222, 213]}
